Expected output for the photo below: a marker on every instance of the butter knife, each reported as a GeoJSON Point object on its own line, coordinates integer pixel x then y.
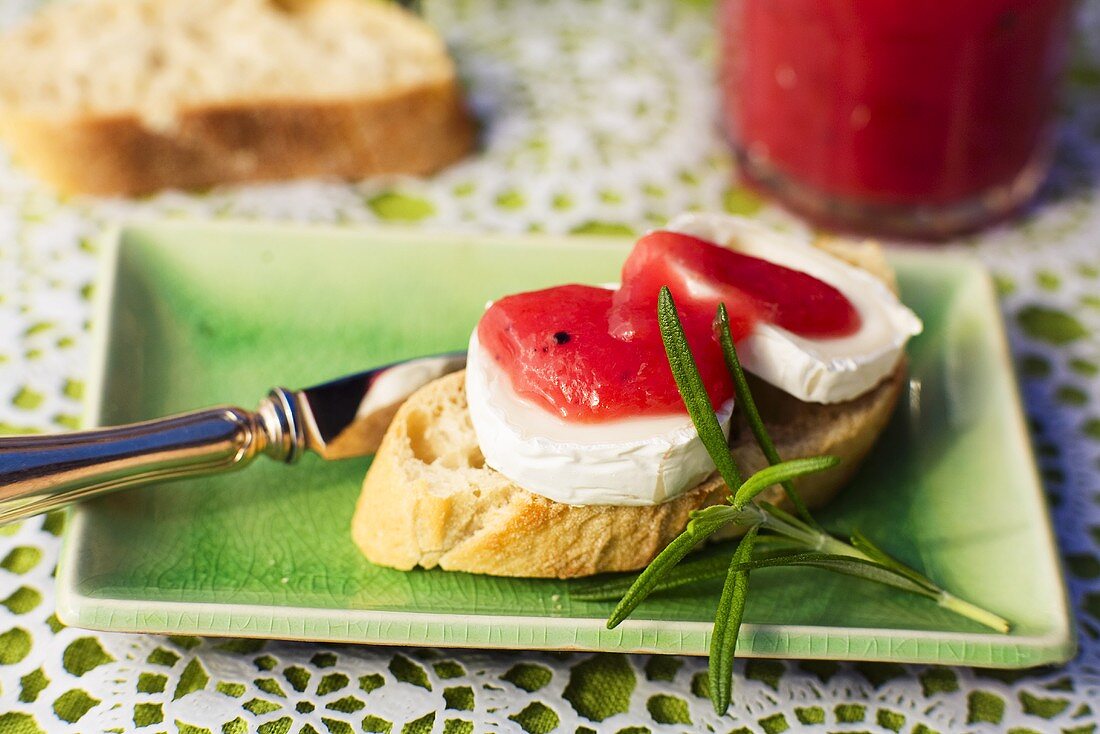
{"type": "Point", "coordinates": [340, 419]}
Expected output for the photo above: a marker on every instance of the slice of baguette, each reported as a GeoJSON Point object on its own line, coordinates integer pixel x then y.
{"type": "Point", "coordinates": [131, 96]}
{"type": "Point", "coordinates": [429, 500]}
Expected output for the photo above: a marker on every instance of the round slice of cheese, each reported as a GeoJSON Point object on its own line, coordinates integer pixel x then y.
{"type": "Point", "coordinates": [826, 370]}
{"type": "Point", "coordinates": [636, 461]}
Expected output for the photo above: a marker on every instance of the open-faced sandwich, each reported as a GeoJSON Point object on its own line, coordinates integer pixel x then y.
{"type": "Point", "coordinates": [564, 448]}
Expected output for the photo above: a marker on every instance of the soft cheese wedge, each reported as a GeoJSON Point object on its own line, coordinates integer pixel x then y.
{"type": "Point", "coordinates": [633, 461]}
{"type": "Point", "coordinates": [817, 370]}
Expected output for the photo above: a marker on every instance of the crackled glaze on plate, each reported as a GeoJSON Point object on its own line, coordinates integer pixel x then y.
{"type": "Point", "coordinates": [194, 315]}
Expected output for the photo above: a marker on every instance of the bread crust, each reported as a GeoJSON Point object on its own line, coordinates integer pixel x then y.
{"type": "Point", "coordinates": [428, 500]}
{"type": "Point", "coordinates": [415, 130]}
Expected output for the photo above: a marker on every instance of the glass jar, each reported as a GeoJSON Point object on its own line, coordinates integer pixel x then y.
{"type": "Point", "coordinates": [918, 119]}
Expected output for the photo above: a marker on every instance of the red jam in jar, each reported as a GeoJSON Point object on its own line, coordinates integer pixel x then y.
{"type": "Point", "coordinates": [911, 118]}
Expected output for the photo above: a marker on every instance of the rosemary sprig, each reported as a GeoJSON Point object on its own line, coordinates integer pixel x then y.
{"type": "Point", "coordinates": [710, 569]}
{"type": "Point", "coordinates": [703, 524]}
{"type": "Point", "coordinates": [727, 623]}
{"type": "Point", "coordinates": [688, 572]}
{"type": "Point", "coordinates": [780, 473]}
{"type": "Point", "coordinates": [795, 541]}
{"type": "Point", "coordinates": [611, 587]}
{"type": "Point", "coordinates": [748, 407]}
{"type": "Point", "coordinates": [692, 390]}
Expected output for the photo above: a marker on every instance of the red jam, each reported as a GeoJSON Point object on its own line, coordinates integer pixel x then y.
{"type": "Point", "coordinates": [593, 354]}
{"type": "Point", "coordinates": [883, 103]}
{"type": "Point", "coordinates": [703, 275]}
{"type": "Point", "coordinates": [557, 349]}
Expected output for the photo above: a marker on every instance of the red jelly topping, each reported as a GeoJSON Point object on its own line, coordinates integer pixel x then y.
{"type": "Point", "coordinates": [556, 347]}
{"type": "Point", "coordinates": [702, 275]}
{"type": "Point", "coordinates": [592, 354]}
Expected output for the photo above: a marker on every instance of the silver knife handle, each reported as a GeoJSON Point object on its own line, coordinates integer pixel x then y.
{"type": "Point", "coordinates": [39, 473]}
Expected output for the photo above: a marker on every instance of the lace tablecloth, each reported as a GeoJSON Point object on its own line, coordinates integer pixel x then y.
{"type": "Point", "coordinates": [599, 117]}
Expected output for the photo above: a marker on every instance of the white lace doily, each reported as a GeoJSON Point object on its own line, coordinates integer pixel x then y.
{"type": "Point", "coordinates": [599, 117]}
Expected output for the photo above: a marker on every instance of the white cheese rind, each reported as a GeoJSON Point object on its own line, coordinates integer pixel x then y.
{"type": "Point", "coordinates": [814, 370]}
{"type": "Point", "coordinates": [636, 461]}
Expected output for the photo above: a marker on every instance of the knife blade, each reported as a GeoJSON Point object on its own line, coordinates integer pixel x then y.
{"type": "Point", "coordinates": [347, 417]}
{"type": "Point", "coordinates": [340, 419]}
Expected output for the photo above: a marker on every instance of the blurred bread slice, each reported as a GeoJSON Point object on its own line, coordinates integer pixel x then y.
{"type": "Point", "coordinates": [131, 96]}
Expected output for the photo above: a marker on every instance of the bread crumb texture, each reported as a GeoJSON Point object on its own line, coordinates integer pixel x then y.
{"type": "Point", "coordinates": [159, 56]}
{"type": "Point", "coordinates": [193, 93]}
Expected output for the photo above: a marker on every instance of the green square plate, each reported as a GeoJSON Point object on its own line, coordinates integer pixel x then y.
{"type": "Point", "coordinates": [192, 315]}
